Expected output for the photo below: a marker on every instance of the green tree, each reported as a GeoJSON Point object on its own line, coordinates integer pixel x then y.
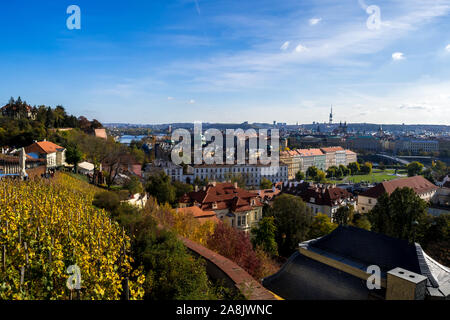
{"type": "Point", "coordinates": [134, 185]}
{"type": "Point", "coordinates": [73, 155]}
{"type": "Point", "coordinates": [265, 184]}
{"type": "Point", "coordinates": [344, 215]}
{"type": "Point", "coordinates": [397, 214]}
{"type": "Point", "coordinates": [333, 172]}
{"type": "Point", "coordinates": [300, 176]}
{"type": "Point", "coordinates": [366, 168]}
{"type": "Point", "coordinates": [320, 177]}
{"type": "Point", "coordinates": [354, 168]}
{"type": "Point", "coordinates": [160, 187]}
{"type": "Point", "coordinates": [321, 226]}
{"type": "Point", "coordinates": [292, 219]}
{"type": "Point", "coordinates": [345, 171]}
{"type": "Point", "coordinates": [264, 235]}
{"type": "Point", "coordinates": [311, 172]}
{"type": "Point", "coordinates": [361, 221]}
{"type": "Point", "coordinates": [181, 188]}
{"type": "Point", "coordinates": [414, 168]}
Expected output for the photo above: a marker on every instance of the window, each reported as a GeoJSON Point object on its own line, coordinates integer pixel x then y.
{"type": "Point", "coordinates": [239, 221]}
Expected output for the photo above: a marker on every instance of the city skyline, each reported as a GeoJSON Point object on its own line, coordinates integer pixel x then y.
{"type": "Point", "coordinates": [230, 62]}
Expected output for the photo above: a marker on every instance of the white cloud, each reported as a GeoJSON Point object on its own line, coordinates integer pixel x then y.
{"type": "Point", "coordinates": [192, 101]}
{"type": "Point", "coordinates": [285, 46]}
{"type": "Point", "coordinates": [398, 56]}
{"type": "Point", "coordinates": [301, 48]}
{"type": "Point", "coordinates": [447, 48]}
{"type": "Point", "coordinates": [170, 98]}
{"type": "Point", "coordinates": [314, 21]}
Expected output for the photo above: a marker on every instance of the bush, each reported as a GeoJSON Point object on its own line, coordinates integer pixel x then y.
{"type": "Point", "coordinates": [106, 200]}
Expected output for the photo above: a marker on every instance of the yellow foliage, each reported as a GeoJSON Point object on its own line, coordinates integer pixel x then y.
{"type": "Point", "coordinates": [46, 226]}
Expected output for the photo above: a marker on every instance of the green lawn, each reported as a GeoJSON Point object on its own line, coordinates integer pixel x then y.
{"type": "Point", "coordinates": [376, 176]}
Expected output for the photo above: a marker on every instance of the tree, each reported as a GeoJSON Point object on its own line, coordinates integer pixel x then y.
{"type": "Point", "coordinates": [181, 188]}
{"type": "Point", "coordinates": [300, 176]}
{"type": "Point", "coordinates": [320, 177]}
{"type": "Point", "coordinates": [264, 235]}
{"type": "Point", "coordinates": [106, 200]}
{"type": "Point", "coordinates": [292, 219]}
{"type": "Point", "coordinates": [361, 221]}
{"type": "Point", "coordinates": [333, 172]}
{"type": "Point", "coordinates": [236, 246]}
{"type": "Point", "coordinates": [380, 217]}
{"type": "Point", "coordinates": [366, 168]}
{"type": "Point", "coordinates": [414, 168]}
{"type": "Point", "coordinates": [396, 215]}
{"type": "Point", "coordinates": [311, 172]}
{"type": "Point", "coordinates": [354, 168]}
{"type": "Point", "coordinates": [345, 171]}
{"type": "Point", "coordinates": [344, 215]}
{"type": "Point", "coordinates": [321, 226]}
{"type": "Point", "coordinates": [160, 187]}
{"type": "Point", "coordinates": [134, 185]}
{"type": "Point", "coordinates": [73, 155]}
{"type": "Point", "coordinates": [265, 184]}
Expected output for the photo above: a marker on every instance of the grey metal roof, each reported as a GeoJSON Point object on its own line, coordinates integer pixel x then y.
{"type": "Point", "coordinates": [305, 278]}
{"type": "Point", "coordinates": [302, 278]}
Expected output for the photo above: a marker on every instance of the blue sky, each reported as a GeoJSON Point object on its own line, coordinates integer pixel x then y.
{"type": "Point", "coordinates": [230, 61]}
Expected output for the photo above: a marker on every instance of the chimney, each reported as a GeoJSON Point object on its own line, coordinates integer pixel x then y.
{"type": "Point", "coordinates": [405, 285]}
{"type": "Point", "coordinates": [213, 183]}
{"type": "Point", "coordinates": [235, 185]}
{"type": "Point", "coordinates": [196, 188]}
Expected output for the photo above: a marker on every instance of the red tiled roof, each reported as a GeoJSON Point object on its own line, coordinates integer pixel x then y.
{"type": "Point", "coordinates": [43, 147]}
{"type": "Point", "coordinates": [326, 195]}
{"type": "Point", "coordinates": [419, 184]}
{"type": "Point", "coordinates": [199, 214]}
{"type": "Point", "coordinates": [222, 196]}
{"type": "Point", "coordinates": [310, 152]}
{"type": "Point", "coordinates": [100, 133]}
{"type": "Point", "coordinates": [332, 149]}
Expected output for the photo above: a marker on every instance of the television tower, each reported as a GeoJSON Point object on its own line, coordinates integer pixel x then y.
{"type": "Point", "coordinates": [331, 115]}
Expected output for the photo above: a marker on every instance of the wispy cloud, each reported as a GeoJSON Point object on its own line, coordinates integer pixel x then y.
{"type": "Point", "coordinates": [285, 46]}
{"type": "Point", "coordinates": [314, 21]}
{"type": "Point", "coordinates": [396, 56]}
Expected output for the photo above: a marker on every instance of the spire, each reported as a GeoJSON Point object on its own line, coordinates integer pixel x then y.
{"type": "Point", "coordinates": [331, 115]}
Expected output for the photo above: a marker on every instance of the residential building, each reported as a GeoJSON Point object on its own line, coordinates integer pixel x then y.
{"type": "Point", "coordinates": [365, 143]}
{"type": "Point", "coordinates": [312, 157]}
{"type": "Point", "coordinates": [175, 172]}
{"type": "Point", "coordinates": [440, 203]}
{"type": "Point", "coordinates": [252, 173]}
{"type": "Point", "coordinates": [237, 207]}
{"type": "Point", "coordinates": [54, 155]}
{"type": "Point", "coordinates": [101, 133]}
{"type": "Point", "coordinates": [338, 265]}
{"type": "Point", "coordinates": [18, 110]}
{"type": "Point", "coordinates": [323, 158]}
{"type": "Point", "coordinates": [350, 157]}
{"type": "Point", "coordinates": [201, 215]}
{"type": "Point", "coordinates": [335, 156]}
{"type": "Point", "coordinates": [321, 198]}
{"type": "Point", "coordinates": [416, 146]}
{"type": "Point", "coordinates": [12, 165]}
{"type": "Point", "coordinates": [294, 162]}
{"type": "Point", "coordinates": [421, 186]}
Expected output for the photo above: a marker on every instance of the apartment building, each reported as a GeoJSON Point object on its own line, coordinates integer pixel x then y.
{"type": "Point", "coordinates": [421, 186]}
{"type": "Point", "coordinates": [239, 208]}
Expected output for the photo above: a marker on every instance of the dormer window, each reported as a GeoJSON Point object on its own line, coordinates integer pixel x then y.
{"type": "Point", "coordinates": [214, 205]}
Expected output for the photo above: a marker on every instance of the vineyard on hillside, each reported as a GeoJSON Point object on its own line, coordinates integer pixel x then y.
{"type": "Point", "coordinates": [47, 226]}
